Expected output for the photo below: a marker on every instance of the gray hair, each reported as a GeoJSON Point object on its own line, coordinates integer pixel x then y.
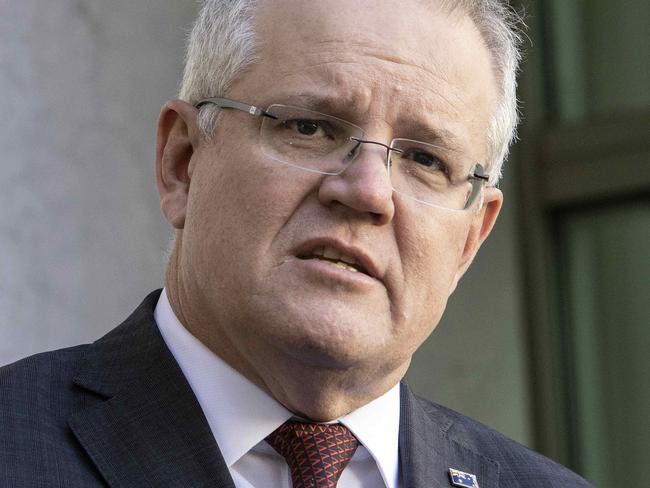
{"type": "Point", "coordinates": [222, 46]}
{"type": "Point", "coordinates": [499, 26]}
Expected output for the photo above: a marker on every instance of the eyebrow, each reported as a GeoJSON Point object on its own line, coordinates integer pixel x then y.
{"type": "Point", "coordinates": [438, 136]}
{"type": "Point", "coordinates": [320, 102]}
{"type": "Point", "coordinates": [340, 106]}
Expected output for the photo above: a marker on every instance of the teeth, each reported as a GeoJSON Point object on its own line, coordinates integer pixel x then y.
{"type": "Point", "coordinates": [331, 253]}
{"type": "Point", "coordinates": [336, 258]}
{"type": "Point", "coordinates": [344, 266]}
{"type": "Point", "coordinates": [340, 264]}
{"type": "Point", "coordinates": [348, 259]}
{"type": "Point", "coordinates": [334, 255]}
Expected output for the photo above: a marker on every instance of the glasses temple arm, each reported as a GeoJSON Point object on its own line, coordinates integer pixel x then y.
{"type": "Point", "coordinates": [479, 173]}
{"type": "Point", "coordinates": [228, 103]}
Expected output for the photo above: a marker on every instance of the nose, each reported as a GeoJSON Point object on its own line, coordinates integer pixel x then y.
{"type": "Point", "coordinates": [363, 187]}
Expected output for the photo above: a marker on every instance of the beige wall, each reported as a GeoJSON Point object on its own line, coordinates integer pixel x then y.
{"type": "Point", "coordinates": [81, 236]}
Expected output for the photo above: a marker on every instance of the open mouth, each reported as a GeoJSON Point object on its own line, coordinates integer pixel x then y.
{"type": "Point", "coordinates": [336, 258]}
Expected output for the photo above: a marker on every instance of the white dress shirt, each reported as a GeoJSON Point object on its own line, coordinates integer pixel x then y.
{"type": "Point", "coordinates": [241, 415]}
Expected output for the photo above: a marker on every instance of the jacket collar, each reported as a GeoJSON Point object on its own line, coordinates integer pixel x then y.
{"type": "Point", "coordinates": [150, 430]}
{"type": "Point", "coordinates": [428, 448]}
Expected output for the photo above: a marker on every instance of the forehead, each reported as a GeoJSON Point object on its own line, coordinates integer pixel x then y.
{"type": "Point", "coordinates": [396, 63]}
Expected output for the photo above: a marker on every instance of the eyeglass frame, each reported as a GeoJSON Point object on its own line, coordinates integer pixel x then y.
{"type": "Point", "coordinates": [477, 177]}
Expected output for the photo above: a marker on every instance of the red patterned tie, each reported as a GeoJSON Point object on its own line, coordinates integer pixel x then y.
{"type": "Point", "coordinates": [316, 453]}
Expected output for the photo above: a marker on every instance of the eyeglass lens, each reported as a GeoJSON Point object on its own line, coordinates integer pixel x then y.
{"type": "Point", "coordinates": [325, 144]}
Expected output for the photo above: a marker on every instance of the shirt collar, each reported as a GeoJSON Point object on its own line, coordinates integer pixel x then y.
{"type": "Point", "coordinates": [376, 425]}
{"type": "Point", "coordinates": [242, 418]}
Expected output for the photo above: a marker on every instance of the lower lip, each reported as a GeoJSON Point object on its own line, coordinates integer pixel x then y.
{"type": "Point", "coordinates": [330, 272]}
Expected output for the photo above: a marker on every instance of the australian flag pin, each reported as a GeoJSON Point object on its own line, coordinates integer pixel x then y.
{"type": "Point", "coordinates": [462, 479]}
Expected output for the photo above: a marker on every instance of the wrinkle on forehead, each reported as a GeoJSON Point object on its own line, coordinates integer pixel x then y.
{"type": "Point", "coordinates": [334, 47]}
{"type": "Point", "coordinates": [366, 80]}
{"type": "Point", "coordinates": [366, 91]}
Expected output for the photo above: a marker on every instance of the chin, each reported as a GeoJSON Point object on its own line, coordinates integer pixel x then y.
{"type": "Point", "coordinates": [320, 330]}
{"type": "Point", "coordinates": [327, 355]}
{"type": "Point", "coordinates": [340, 344]}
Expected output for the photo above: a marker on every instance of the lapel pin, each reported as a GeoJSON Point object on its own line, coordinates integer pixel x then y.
{"type": "Point", "coordinates": [462, 479]}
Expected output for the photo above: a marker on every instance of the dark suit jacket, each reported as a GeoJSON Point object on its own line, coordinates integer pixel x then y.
{"type": "Point", "coordinates": [120, 413]}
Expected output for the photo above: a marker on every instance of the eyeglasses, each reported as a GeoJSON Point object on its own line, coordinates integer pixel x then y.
{"type": "Point", "coordinates": [320, 143]}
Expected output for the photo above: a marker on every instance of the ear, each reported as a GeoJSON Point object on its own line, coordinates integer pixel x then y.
{"type": "Point", "coordinates": [480, 228]}
{"type": "Point", "coordinates": [177, 139]}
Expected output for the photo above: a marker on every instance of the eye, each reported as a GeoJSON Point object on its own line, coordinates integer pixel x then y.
{"type": "Point", "coordinates": [425, 159]}
{"type": "Point", "coordinates": [305, 127]}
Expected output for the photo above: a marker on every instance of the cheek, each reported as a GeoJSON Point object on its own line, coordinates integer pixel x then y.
{"type": "Point", "coordinates": [431, 253]}
{"type": "Point", "coordinates": [239, 203]}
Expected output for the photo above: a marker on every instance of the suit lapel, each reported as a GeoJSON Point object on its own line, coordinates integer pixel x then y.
{"type": "Point", "coordinates": [150, 430]}
{"type": "Point", "coordinates": [428, 450]}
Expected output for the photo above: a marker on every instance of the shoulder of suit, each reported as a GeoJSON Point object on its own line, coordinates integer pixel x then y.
{"type": "Point", "coordinates": [36, 377]}
{"type": "Point", "coordinates": [37, 397]}
{"type": "Point", "coordinates": [48, 376]}
{"type": "Point", "coordinates": [516, 461]}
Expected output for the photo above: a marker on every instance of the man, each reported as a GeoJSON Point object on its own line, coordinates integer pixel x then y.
{"type": "Point", "coordinates": [330, 172]}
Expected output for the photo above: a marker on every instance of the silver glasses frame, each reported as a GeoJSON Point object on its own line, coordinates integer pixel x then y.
{"type": "Point", "coordinates": [477, 176]}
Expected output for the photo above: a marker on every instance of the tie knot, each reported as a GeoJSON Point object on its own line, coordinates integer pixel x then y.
{"type": "Point", "coordinates": [316, 453]}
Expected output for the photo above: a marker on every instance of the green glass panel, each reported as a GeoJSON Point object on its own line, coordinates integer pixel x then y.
{"type": "Point", "coordinates": [607, 272]}
{"type": "Point", "coordinates": [600, 56]}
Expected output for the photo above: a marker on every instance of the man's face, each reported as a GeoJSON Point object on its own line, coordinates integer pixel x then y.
{"type": "Point", "coordinates": [254, 225]}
